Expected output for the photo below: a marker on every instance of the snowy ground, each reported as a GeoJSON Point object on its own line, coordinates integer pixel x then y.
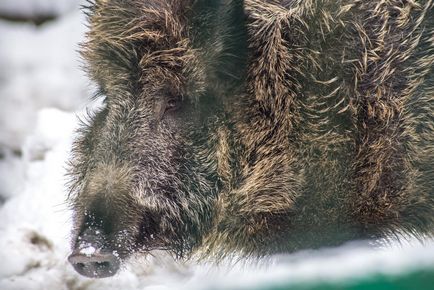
{"type": "Point", "coordinates": [42, 89]}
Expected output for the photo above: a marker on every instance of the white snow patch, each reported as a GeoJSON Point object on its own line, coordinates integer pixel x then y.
{"type": "Point", "coordinates": [39, 67]}
{"type": "Point", "coordinates": [88, 250]}
{"type": "Point", "coordinates": [30, 8]}
{"type": "Point", "coordinates": [12, 174]}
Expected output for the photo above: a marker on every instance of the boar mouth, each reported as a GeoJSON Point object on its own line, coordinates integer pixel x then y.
{"type": "Point", "coordinates": [150, 237]}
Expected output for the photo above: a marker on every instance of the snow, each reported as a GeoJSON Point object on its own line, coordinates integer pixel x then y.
{"type": "Point", "coordinates": [42, 90]}
{"type": "Point", "coordinates": [88, 250]}
{"type": "Point", "coordinates": [39, 68]}
{"type": "Point", "coordinates": [29, 8]}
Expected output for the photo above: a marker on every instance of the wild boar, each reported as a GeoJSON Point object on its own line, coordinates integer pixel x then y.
{"type": "Point", "coordinates": [253, 127]}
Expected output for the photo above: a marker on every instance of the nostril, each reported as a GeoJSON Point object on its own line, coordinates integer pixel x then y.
{"type": "Point", "coordinates": [79, 265]}
{"type": "Point", "coordinates": [97, 265]}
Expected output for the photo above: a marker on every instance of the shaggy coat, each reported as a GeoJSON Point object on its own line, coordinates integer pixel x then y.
{"type": "Point", "coordinates": [291, 124]}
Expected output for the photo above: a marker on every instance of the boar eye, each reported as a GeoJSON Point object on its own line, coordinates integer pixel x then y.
{"type": "Point", "coordinates": [172, 104]}
{"type": "Point", "coordinates": [167, 105]}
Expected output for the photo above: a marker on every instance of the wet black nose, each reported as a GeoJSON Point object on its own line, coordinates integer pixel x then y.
{"type": "Point", "coordinates": [92, 257]}
{"type": "Point", "coordinates": [94, 265]}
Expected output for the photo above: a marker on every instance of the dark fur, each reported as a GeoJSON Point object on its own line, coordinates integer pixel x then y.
{"type": "Point", "coordinates": [303, 124]}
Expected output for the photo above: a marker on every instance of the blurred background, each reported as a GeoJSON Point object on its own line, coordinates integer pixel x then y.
{"type": "Point", "coordinates": [43, 91]}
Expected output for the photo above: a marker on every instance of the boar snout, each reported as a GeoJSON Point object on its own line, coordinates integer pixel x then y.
{"type": "Point", "coordinates": [91, 256]}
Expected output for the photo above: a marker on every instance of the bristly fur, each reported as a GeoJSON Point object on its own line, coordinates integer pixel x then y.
{"type": "Point", "coordinates": [310, 123]}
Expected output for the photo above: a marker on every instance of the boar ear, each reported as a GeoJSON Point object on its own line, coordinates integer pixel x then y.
{"type": "Point", "coordinates": [219, 32]}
